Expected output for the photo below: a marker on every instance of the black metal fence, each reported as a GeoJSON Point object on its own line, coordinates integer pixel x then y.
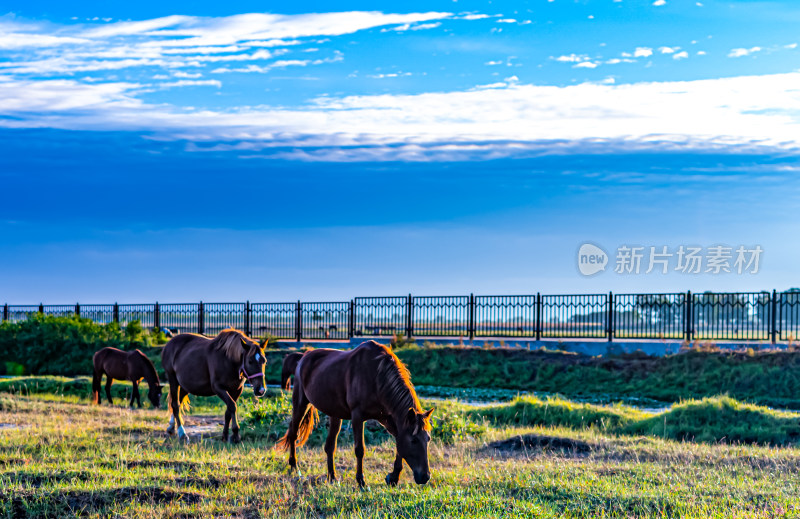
{"type": "Point", "coordinates": [765, 316]}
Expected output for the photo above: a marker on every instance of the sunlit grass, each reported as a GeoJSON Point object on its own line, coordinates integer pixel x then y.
{"type": "Point", "coordinates": [65, 457]}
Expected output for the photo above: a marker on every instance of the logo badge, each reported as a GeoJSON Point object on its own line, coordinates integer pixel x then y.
{"type": "Point", "coordinates": [591, 259]}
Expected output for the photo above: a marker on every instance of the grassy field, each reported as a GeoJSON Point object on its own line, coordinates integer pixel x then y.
{"type": "Point", "coordinates": [60, 456]}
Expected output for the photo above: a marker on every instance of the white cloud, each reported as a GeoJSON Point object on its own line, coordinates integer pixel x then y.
{"type": "Point", "coordinates": [506, 20]}
{"type": "Point", "coordinates": [191, 82]}
{"type": "Point", "coordinates": [659, 2]}
{"type": "Point", "coordinates": [196, 31]}
{"type": "Point", "coordinates": [738, 53]}
{"type": "Point", "coordinates": [791, 46]}
{"type": "Point", "coordinates": [643, 52]}
{"type": "Point", "coordinates": [186, 75]}
{"type": "Point", "coordinates": [180, 41]}
{"type": "Point", "coordinates": [498, 62]}
{"type": "Point", "coordinates": [474, 17]}
{"type": "Point", "coordinates": [570, 58]}
{"type": "Point", "coordinates": [22, 40]}
{"type": "Point", "coordinates": [390, 75]}
{"type": "Point", "coordinates": [585, 64]}
{"type": "Point", "coordinates": [667, 50]}
{"type": "Point", "coordinates": [680, 55]}
{"type": "Point", "coordinates": [413, 27]}
{"type": "Point", "coordinates": [505, 119]}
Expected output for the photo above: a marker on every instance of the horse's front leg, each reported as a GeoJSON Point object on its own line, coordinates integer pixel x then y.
{"type": "Point", "coordinates": [394, 476]}
{"type": "Point", "coordinates": [358, 440]}
{"type": "Point", "coordinates": [230, 413]}
{"type": "Point", "coordinates": [334, 426]}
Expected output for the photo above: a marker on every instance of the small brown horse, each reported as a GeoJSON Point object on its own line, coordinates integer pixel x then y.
{"type": "Point", "coordinates": [125, 365]}
{"type": "Point", "coordinates": [201, 366]}
{"type": "Point", "coordinates": [366, 383]}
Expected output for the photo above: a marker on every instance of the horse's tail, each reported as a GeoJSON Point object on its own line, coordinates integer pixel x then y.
{"type": "Point", "coordinates": [184, 404]}
{"type": "Point", "coordinates": [289, 365]}
{"type": "Point", "coordinates": [304, 429]}
{"type": "Point", "coordinates": [97, 378]}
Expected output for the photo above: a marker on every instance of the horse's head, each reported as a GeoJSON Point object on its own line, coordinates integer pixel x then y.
{"type": "Point", "coordinates": [253, 362]}
{"type": "Point", "coordinates": [154, 395]}
{"type": "Point", "coordinates": [413, 435]}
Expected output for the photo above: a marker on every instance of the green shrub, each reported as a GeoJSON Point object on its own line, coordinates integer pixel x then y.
{"type": "Point", "coordinates": [769, 378]}
{"type": "Point", "coordinates": [45, 344]}
{"type": "Point", "coordinates": [78, 386]}
{"type": "Point", "coordinates": [554, 411]}
{"type": "Point", "coordinates": [721, 419]}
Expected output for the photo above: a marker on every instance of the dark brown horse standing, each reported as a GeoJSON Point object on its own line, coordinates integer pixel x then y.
{"type": "Point", "coordinates": [220, 366]}
{"type": "Point", "coordinates": [366, 383]}
{"type": "Point", "coordinates": [125, 365]}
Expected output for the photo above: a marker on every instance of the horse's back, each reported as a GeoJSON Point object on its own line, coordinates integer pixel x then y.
{"type": "Point", "coordinates": [179, 344]}
{"type": "Point", "coordinates": [332, 379]}
{"type": "Point", "coordinates": [106, 354]}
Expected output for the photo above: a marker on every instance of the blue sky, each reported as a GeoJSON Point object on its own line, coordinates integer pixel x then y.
{"type": "Point", "coordinates": [185, 151]}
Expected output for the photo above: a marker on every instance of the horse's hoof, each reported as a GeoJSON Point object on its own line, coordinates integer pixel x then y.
{"type": "Point", "coordinates": [389, 481]}
{"type": "Point", "coordinates": [235, 439]}
{"type": "Point", "coordinates": [360, 482]}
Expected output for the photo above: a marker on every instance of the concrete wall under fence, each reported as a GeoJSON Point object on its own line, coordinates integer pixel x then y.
{"type": "Point", "coordinates": [582, 346]}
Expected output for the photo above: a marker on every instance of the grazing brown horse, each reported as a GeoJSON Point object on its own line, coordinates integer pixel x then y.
{"type": "Point", "coordinates": [220, 366]}
{"type": "Point", "coordinates": [289, 365]}
{"type": "Point", "coordinates": [366, 383]}
{"type": "Point", "coordinates": [125, 365]}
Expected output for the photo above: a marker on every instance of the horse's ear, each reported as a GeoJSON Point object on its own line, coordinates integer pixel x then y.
{"type": "Point", "coordinates": [427, 414]}
{"type": "Point", "coordinates": [244, 344]}
{"type": "Point", "coordinates": [412, 420]}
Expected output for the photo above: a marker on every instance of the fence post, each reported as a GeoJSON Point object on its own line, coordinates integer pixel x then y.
{"type": "Point", "coordinates": [774, 307]}
{"type": "Point", "coordinates": [471, 317]}
{"type": "Point", "coordinates": [200, 318]}
{"type": "Point", "coordinates": [409, 316]}
{"type": "Point", "coordinates": [247, 318]}
{"type": "Point", "coordinates": [351, 328]}
{"type": "Point", "coordinates": [115, 313]}
{"type": "Point", "coordinates": [689, 316]}
{"type": "Point", "coordinates": [538, 316]}
{"type": "Point", "coordinates": [298, 331]}
{"type": "Point", "coordinates": [41, 308]}
{"type": "Point", "coordinates": [77, 309]}
{"type": "Point", "coordinates": [610, 317]}
{"type": "Point", "coordinates": [157, 316]}
{"type": "Point", "coordinates": [5, 312]}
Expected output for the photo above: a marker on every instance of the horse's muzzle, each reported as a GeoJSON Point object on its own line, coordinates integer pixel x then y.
{"type": "Point", "coordinates": [421, 479]}
{"type": "Point", "coordinates": [260, 391]}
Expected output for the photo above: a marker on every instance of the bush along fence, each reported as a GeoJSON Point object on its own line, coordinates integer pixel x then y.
{"type": "Point", "coordinates": [763, 316]}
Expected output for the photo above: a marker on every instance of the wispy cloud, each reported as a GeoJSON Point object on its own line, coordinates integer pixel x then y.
{"type": "Point", "coordinates": [181, 41]}
{"type": "Point", "coordinates": [734, 114]}
{"type": "Point", "coordinates": [738, 53]}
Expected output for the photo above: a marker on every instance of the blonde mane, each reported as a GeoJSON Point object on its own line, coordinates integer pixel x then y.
{"type": "Point", "coordinates": [394, 384]}
{"type": "Point", "coordinates": [229, 341]}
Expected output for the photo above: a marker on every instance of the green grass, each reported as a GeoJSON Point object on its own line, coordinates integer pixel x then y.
{"type": "Point", "coordinates": [70, 458]}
